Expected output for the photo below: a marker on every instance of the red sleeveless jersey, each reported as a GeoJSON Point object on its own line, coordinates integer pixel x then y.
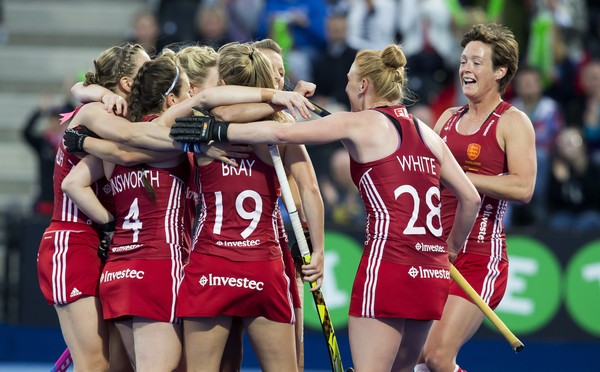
{"type": "Point", "coordinates": [65, 210]}
{"type": "Point", "coordinates": [401, 194]}
{"type": "Point", "coordinates": [478, 153]}
{"type": "Point", "coordinates": [238, 217]}
{"type": "Point", "coordinates": [149, 224]}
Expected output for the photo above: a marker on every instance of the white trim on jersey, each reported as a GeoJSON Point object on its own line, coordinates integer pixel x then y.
{"type": "Point", "coordinates": [488, 286]}
{"type": "Point", "coordinates": [59, 267]}
{"type": "Point", "coordinates": [69, 209]}
{"type": "Point", "coordinates": [288, 291]}
{"type": "Point", "coordinates": [380, 234]}
{"type": "Point", "coordinates": [173, 238]}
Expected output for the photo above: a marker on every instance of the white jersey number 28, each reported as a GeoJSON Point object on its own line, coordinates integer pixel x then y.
{"type": "Point", "coordinates": [434, 210]}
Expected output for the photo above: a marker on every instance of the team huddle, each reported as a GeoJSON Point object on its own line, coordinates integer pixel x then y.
{"type": "Point", "coordinates": [167, 242]}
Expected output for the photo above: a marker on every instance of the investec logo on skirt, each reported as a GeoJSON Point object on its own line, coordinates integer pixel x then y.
{"type": "Point", "coordinates": [109, 276]}
{"type": "Point", "coordinates": [227, 281]}
{"type": "Point", "coordinates": [424, 273]}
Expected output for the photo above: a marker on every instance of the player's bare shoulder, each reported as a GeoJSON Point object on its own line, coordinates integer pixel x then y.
{"type": "Point", "coordinates": [87, 112]}
{"type": "Point", "coordinates": [514, 120]}
{"type": "Point", "coordinates": [444, 118]}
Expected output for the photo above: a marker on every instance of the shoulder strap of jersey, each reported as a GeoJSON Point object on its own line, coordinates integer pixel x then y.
{"type": "Point", "coordinates": [502, 107]}
{"type": "Point", "coordinates": [416, 122]}
{"type": "Point", "coordinates": [393, 120]}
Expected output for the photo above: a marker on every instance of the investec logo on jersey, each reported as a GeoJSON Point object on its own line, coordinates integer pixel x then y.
{"type": "Point", "coordinates": [227, 281]}
{"type": "Point", "coordinates": [424, 273]}
{"type": "Point", "coordinates": [109, 276]}
{"type": "Point", "coordinates": [483, 224]}
{"type": "Point", "coordinates": [429, 248]}
{"type": "Point", "coordinates": [133, 179]}
{"type": "Point", "coordinates": [238, 243]}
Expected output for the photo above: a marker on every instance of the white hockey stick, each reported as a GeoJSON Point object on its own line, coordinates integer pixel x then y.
{"type": "Point", "coordinates": [328, 331]}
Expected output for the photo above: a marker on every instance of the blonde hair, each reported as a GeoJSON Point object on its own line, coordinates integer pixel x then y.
{"type": "Point", "coordinates": [195, 61]}
{"type": "Point", "coordinates": [385, 69]}
{"type": "Point", "coordinates": [267, 44]}
{"type": "Point", "coordinates": [243, 64]}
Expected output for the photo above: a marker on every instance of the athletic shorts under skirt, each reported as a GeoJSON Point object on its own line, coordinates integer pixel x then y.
{"type": "Point", "coordinates": [214, 286]}
{"type": "Point", "coordinates": [142, 288]}
{"type": "Point", "coordinates": [68, 263]}
{"type": "Point", "coordinates": [389, 290]}
{"type": "Point", "coordinates": [487, 275]}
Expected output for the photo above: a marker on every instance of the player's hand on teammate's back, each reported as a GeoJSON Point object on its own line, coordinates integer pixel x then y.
{"type": "Point", "coordinates": [74, 138]}
{"type": "Point", "coordinates": [226, 153]}
{"type": "Point", "coordinates": [107, 231]}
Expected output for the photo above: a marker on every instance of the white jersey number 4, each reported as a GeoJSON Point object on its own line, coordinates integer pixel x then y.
{"type": "Point", "coordinates": [132, 221]}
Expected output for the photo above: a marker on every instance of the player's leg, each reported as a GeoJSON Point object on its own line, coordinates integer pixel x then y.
{"type": "Point", "coordinates": [413, 338]}
{"type": "Point", "coordinates": [374, 343]}
{"type": "Point", "coordinates": [204, 340]}
{"type": "Point", "coordinates": [157, 345]}
{"type": "Point", "coordinates": [118, 358]}
{"type": "Point", "coordinates": [234, 350]}
{"type": "Point", "coordinates": [85, 333]}
{"type": "Point", "coordinates": [125, 329]}
{"type": "Point", "coordinates": [460, 320]}
{"type": "Point", "coordinates": [273, 343]}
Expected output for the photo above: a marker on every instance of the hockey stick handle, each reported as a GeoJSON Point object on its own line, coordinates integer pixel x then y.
{"type": "Point", "coordinates": [514, 342]}
{"type": "Point", "coordinates": [319, 110]}
{"type": "Point", "coordinates": [290, 205]}
{"type": "Point", "coordinates": [63, 363]}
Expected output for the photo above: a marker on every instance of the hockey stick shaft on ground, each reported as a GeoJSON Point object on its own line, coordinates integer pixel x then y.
{"type": "Point", "coordinates": [322, 310]}
{"type": "Point", "coordinates": [63, 363]}
{"type": "Point", "coordinates": [514, 342]}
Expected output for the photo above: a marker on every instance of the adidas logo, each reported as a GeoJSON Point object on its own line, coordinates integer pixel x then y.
{"type": "Point", "coordinates": [75, 292]}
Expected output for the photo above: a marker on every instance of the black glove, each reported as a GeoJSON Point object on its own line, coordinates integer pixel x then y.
{"type": "Point", "coordinates": [199, 129]}
{"type": "Point", "coordinates": [296, 255]}
{"type": "Point", "coordinates": [74, 137]}
{"type": "Point", "coordinates": [107, 230]}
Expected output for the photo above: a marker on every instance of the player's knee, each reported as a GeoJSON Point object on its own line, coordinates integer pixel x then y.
{"type": "Point", "coordinates": [437, 360]}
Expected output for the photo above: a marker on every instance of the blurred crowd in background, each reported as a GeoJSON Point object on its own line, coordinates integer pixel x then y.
{"type": "Point", "coordinates": [557, 85]}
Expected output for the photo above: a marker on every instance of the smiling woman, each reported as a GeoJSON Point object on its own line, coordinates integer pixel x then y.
{"type": "Point", "coordinates": [495, 145]}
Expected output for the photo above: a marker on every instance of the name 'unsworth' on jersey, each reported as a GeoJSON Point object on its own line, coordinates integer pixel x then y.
{"type": "Point", "coordinates": [133, 179]}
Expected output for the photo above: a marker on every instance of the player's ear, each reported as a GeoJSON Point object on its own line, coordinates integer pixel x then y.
{"type": "Point", "coordinates": [364, 84]}
{"type": "Point", "coordinates": [500, 72]}
{"type": "Point", "coordinates": [125, 84]}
